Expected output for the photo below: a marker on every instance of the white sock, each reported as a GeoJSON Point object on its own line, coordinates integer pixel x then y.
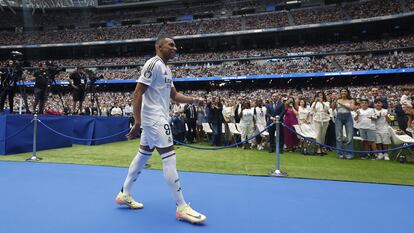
{"type": "Point", "coordinates": [135, 169]}
{"type": "Point", "coordinates": [171, 176]}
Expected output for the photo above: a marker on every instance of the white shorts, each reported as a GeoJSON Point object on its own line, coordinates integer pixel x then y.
{"type": "Point", "coordinates": [383, 138]}
{"type": "Point", "coordinates": [157, 135]}
{"type": "Point", "coordinates": [261, 127]}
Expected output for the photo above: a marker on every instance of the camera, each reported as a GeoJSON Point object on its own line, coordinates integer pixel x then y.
{"type": "Point", "coordinates": [16, 56]}
{"type": "Point", "coordinates": [53, 69]}
{"type": "Point", "coordinates": [92, 76]}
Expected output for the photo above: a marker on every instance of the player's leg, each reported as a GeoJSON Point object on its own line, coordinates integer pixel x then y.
{"type": "Point", "coordinates": [164, 144]}
{"type": "Point", "coordinates": [184, 211]}
{"type": "Point", "coordinates": [135, 168]}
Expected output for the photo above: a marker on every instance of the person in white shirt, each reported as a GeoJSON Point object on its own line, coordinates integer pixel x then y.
{"type": "Point", "coordinates": [228, 111]}
{"type": "Point", "coordinates": [259, 113]}
{"type": "Point", "coordinates": [304, 113]}
{"type": "Point", "coordinates": [228, 115]}
{"type": "Point", "coordinates": [366, 119]}
{"type": "Point", "coordinates": [321, 118]}
{"type": "Point", "coordinates": [128, 110]}
{"type": "Point", "coordinates": [151, 106]}
{"type": "Point", "coordinates": [247, 122]}
{"type": "Point", "coordinates": [383, 137]}
{"type": "Point", "coordinates": [406, 97]}
{"type": "Point", "coordinates": [116, 111]}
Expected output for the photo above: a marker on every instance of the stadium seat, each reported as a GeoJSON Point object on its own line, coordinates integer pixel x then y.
{"type": "Point", "coordinates": [356, 138]}
{"type": "Point", "coordinates": [233, 129]}
{"type": "Point", "coordinates": [207, 128]}
{"type": "Point", "coordinates": [400, 140]}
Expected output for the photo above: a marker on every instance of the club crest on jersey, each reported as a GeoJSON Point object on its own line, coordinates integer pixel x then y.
{"type": "Point", "coordinates": [147, 74]}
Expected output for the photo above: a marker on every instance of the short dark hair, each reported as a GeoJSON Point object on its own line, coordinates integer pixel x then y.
{"type": "Point", "coordinates": [161, 38]}
{"type": "Point", "coordinates": [378, 100]}
{"type": "Point", "coordinates": [364, 100]}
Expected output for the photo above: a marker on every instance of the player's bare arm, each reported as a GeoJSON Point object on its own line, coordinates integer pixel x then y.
{"type": "Point", "coordinates": [137, 104]}
{"type": "Point", "coordinates": [180, 98]}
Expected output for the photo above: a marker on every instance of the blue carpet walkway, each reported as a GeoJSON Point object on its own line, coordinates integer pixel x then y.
{"type": "Point", "coordinates": [58, 198]}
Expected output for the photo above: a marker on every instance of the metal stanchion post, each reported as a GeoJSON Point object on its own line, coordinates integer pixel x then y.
{"type": "Point", "coordinates": [34, 157]}
{"type": "Point", "coordinates": [278, 172]}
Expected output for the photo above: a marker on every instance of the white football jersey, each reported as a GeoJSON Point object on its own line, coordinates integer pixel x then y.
{"type": "Point", "coordinates": [156, 99]}
{"type": "Point", "coordinates": [247, 118]}
{"type": "Point", "coordinates": [261, 115]}
{"type": "Point", "coordinates": [381, 123]}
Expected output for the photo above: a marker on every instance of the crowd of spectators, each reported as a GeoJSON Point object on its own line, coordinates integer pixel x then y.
{"type": "Point", "coordinates": [70, 36]}
{"type": "Point", "coordinates": [368, 45]}
{"type": "Point", "coordinates": [363, 62]}
{"type": "Point", "coordinates": [184, 28]}
{"type": "Point", "coordinates": [267, 20]}
{"type": "Point", "coordinates": [267, 66]}
{"type": "Point", "coordinates": [318, 15]}
{"type": "Point", "coordinates": [371, 8]}
{"type": "Point", "coordinates": [214, 25]}
{"type": "Point", "coordinates": [409, 4]}
{"type": "Point", "coordinates": [303, 65]}
{"type": "Point", "coordinates": [221, 25]}
{"type": "Point", "coordinates": [109, 99]}
{"type": "Point", "coordinates": [302, 106]}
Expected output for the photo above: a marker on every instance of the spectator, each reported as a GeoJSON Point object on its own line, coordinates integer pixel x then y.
{"type": "Point", "coordinates": [365, 117]}
{"type": "Point", "coordinates": [215, 118]}
{"type": "Point", "coordinates": [290, 119]}
{"type": "Point", "coordinates": [247, 123]}
{"type": "Point", "coordinates": [377, 95]}
{"type": "Point", "coordinates": [275, 108]}
{"type": "Point", "coordinates": [201, 118]}
{"type": "Point", "coordinates": [260, 117]}
{"type": "Point", "coordinates": [116, 111]}
{"type": "Point", "coordinates": [191, 121]}
{"type": "Point", "coordinates": [321, 118]}
{"type": "Point", "coordinates": [344, 106]}
{"type": "Point", "coordinates": [383, 137]}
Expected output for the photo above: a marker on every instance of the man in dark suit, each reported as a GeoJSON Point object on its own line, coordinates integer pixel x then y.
{"type": "Point", "coordinates": [275, 108]}
{"type": "Point", "coordinates": [377, 95]}
{"type": "Point", "coordinates": [191, 120]}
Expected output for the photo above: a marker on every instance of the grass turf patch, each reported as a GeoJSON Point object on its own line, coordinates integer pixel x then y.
{"type": "Point", "coordinates": [236, 161]}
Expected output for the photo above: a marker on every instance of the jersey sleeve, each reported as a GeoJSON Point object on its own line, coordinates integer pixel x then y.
{"type": "Point", "coordinates": [149, 72]}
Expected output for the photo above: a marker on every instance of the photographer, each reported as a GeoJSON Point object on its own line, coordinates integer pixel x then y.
{"type": "Point", "coordinates": [9, 77]}
{"type": "Point", "coordinates": [215, 119]}
{"type": "Point", "coordinates": [78, 83]}
{"type": "Point", "coordinates": [40, 88]}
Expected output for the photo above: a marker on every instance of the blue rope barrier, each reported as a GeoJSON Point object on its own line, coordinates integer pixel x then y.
{"type": "Point", "coordinates": [224, 147]}
{"type": "Point", "coordinates": [81, 139]}
{"type": "Point", "coordinates": [344, 150]}
{"type": "Point", "coordinates": [18, 132]}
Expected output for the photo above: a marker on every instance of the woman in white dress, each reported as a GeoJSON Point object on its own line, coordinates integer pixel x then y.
{"type": "Point", "coordinates": [304, 113]}
{"type": "Point", "coordinates": [321, 117]}
{"type": "Point", "coordinates": [247, 122]}
{"type": "Point", "coordinates": [260, 117]}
